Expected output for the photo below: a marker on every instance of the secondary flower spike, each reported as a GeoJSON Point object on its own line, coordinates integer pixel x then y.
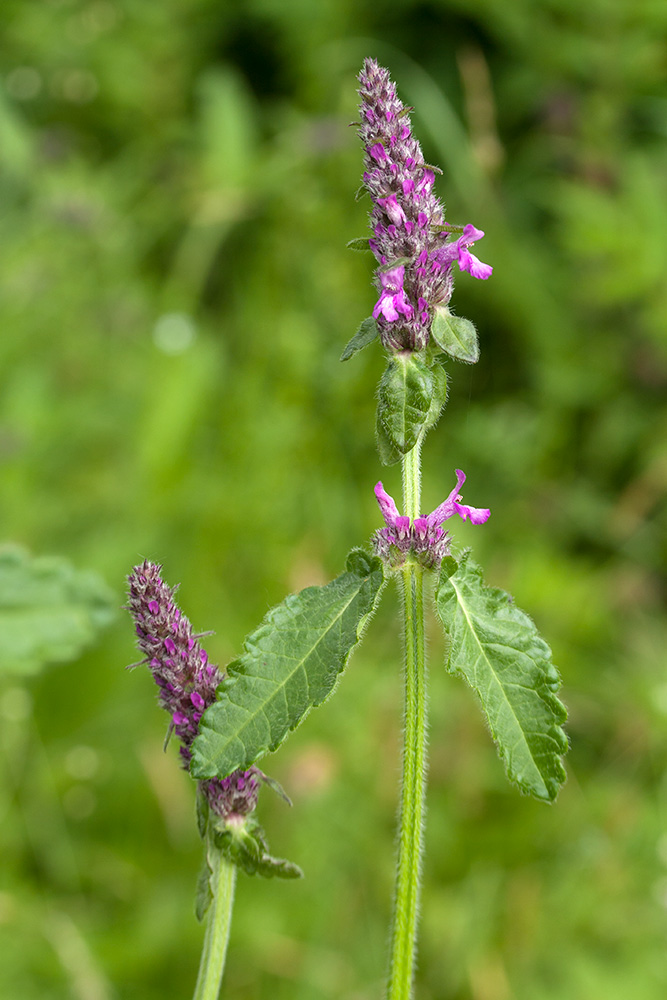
{"type": "Point", "coordinates": [424, 537]}
{"type": "Point", "coordinates": [186, 680]}
{"type": "Point", "coordinates": [411, 240]}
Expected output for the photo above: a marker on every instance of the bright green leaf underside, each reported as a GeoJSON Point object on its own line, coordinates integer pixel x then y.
{"type": "Point", "coordinates": [499, 652]}
{"type": "Point", "coordinates": [49, 611]}
{"type": "Point", "coordinates": [405, 395]}
{"type": "Point", "coordinates": [364, 336]}
{"type": "Point", "coordinates": [455, 336]}
{"type": "Point", "coordinates": [290, 665]}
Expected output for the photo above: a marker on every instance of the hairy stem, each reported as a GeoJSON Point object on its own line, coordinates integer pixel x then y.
{"type": "Point", "coordinates": [219, 920]}
{"type": "Point", "coordinates": [408, 869]}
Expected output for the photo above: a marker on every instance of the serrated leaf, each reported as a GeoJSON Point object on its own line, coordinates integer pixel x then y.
{"type": "Point", "coordinates": [455, 335]}
{"type": "Point", "coordinates": [49, 611]}
{"type": "Point", "coordinates": [364, 336]}
{"type": "Point", "coordinates": [290, 665]}
{"type": "Point", "coordinates": [405, 395]}
{"type": "Point", "coordinates": [499, 652]}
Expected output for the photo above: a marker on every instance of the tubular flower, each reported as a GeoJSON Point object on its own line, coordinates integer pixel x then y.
{"type": "Point", "coordinates": [411, 239]}
{"type": "Point", "coordinates": [423, 538]}
{"type": "Point", "coordinates": [186, 680]}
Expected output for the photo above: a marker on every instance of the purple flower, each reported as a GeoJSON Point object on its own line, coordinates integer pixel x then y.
{"type": "Point", "coordinates": [187, 682]}
{"type": "Point", "coordinates": [424, 537]}
{"type": "Point", "coordinates": [393, 300]}
{"type": "Point", "coordinates": [407, 220]}
{"type": "Point", "coordinates": [458, 251]}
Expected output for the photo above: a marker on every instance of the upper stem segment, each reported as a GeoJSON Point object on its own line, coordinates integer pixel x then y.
{"type": "Point", "coordinates": [218, 925]}
{"type": "Point", "coordinates": [408, 871]}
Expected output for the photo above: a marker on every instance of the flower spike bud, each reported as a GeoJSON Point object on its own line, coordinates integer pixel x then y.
{"type": "Point", "coordinates": [423, 538]}
{"type": "Point", "coordinates": [187, 682]}
{"type": "Point", "coordinates": [407, 220]}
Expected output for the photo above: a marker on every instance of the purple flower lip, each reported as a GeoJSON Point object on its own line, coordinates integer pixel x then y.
{"type": "Point", "coordinates": [424, 537]}
{"type": "Point", "coordinates": [407, 220]}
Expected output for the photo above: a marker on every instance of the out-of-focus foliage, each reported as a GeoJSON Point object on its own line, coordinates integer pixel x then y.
{"type": "Point", "coordinates": [49, 612]}
{"type": "Point", "coordinates": [177, 189]}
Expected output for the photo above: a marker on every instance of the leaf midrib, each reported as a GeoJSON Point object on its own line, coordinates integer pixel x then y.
{"type": "Point", "coordinates": [499, 684]}
{"type": "Point", "coordinates": [298, 665]}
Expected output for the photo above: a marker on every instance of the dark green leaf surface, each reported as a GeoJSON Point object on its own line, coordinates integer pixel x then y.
{"type": "Point", "coordinates": [455, 336]}
{"type": "Point", "coordinates": [499, 652]}
{"type": "Point", "coordinates": [290, 665]}
{"type": "Point", "coordinates": [365, 335]}
{"type": "Point", "coordinates": [49, 611]}
{"type": "Point", "coordinates": [405, 394]}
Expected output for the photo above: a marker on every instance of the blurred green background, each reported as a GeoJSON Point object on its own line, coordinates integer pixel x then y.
{"type": "Point", "coordinates": [177, 189]}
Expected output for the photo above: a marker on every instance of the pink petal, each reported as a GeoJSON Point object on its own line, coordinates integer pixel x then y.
{"type": "Point", "coordinates": [388, 508]}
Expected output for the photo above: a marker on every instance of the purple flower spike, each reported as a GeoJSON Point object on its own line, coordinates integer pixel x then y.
{"type": "Point", "coordinates": [186, 681]}
{"type": "Point", "coordinates": [424, 538]}
{"type": "Point", "coordinates": [407, 220]}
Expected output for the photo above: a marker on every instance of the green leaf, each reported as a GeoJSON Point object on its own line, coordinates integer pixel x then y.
{"type": "Point", "coordinates": [365, 335]}
{"type": "Point", "coordinates": [359, 243]}
{"type": "Point", "coordinates": [243, 843]}
{"type": "Point", "coordinates": [290, 665]}
{"type": "Point", "coordinates": [455, 335]}
{"type": "Point", "coordinates": [388, 452]}
{"type": "Point", "coordinates": [439, 399]}
{"type": "Point", "coordinates": [203, 892]}
{"type": "Point", "coordinates": [405, 395]}
{"type": "Point", "coordinates": [49, 611]}
{"type": "Point", "coordinates": [396, 262]}
{"type": "Point", "coordinates": [499, 652]}
{"type": "Point", "coordinates": [202, 811]}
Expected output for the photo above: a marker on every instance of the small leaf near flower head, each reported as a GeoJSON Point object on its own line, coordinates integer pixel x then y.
{"type": "Point", "coordinates": [405, 394]}
{"type": "Point", "coordinates": [360, 244]}
{"type": "Point", "coordinates": [455, 335]}
{"type": "Point", "coordinates": [203, 892]}
{"type": "Point", "coordinates": [364, 336]}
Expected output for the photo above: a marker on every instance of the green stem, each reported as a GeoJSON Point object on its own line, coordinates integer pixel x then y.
{"type": "Point", "coordinates": [219, 920]}
{"type": "Point", "coordinates": [408, 869]}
